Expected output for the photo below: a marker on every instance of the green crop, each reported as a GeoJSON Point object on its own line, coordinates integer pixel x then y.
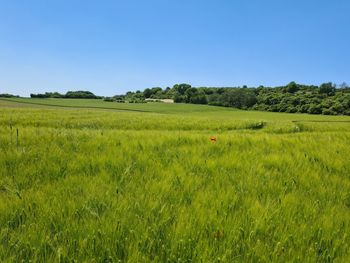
{"type": "Point", "coordinates": [144, 183]}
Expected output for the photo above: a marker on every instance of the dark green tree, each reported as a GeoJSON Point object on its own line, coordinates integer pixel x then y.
{"type": "Point", "coordinates": [292, 87]}
{"type": "Point", "coordinates": [327, 88]}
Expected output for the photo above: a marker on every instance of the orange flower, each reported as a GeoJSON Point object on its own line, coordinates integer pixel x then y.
{"type": "Point", "coordinates": [213, 138]}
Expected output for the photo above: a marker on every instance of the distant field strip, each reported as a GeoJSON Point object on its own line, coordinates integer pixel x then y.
{"type": "Point", "coordinates": [53, 104]}
{"type": "Point", "coordinates": [97, 103]}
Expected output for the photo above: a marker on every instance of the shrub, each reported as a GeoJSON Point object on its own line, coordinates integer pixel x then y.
{"type": "Point", "coordinates": [315, 109]}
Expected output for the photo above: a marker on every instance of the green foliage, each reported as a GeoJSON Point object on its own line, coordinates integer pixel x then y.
{"type": "Point", "coordinates": [238, 98]}
{"type": "Point", "coordinates": [314, 109]}
{"type": "Point", "coordinates": [181, 88]}
{"type": "Point", "coordinates": [195, 96]}
{"type": "Point", "coordinates": [147, 93]}
{"type": "Point", "coordinates": [327, 88]}
{"type": "Point", "coordinates": [80, 95]}
{"type": "Point", "coordinates": [292, 87]}
{"type": "Point", "coordinates": [109, 99]}
{"type": "Point", "coordinates": [291, 98]}
{"type": "Point", "coordinates": [68, 95]}
{"type": "Point", "coordinates": [6, 95]}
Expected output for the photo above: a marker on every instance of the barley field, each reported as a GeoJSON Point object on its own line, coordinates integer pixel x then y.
{"type": "Point", "coordinates": [93, 181]}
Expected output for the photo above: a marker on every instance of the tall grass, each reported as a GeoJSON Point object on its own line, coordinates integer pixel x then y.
{"type": "Point", "coordinates": [103, 186]}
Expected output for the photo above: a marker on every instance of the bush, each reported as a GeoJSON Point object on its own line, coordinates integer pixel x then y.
{"type": "Point", "coordinates": [338, 108]}
{"type": "Point", "coordinates": [6, 95]}
{"type": "Point", "coordinates": [109, 99]}
{"type": "Point", "coordinates": [291, 109]}
{"type": "Point", "coordinates": [327, 88]}
{"type": "Point", "coordinates": [179, 98]}
{"type": "Point", "coordinates": [315, 109]}
{"type": "Point", "coordinates": [304, 108]}
{"type": "Point", "coordinates": [328, 112]}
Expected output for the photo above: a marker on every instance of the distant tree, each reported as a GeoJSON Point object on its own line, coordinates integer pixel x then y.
{"type": "Point", "coordinates": [238, 98]}
{"type": "Point", "coordinates": [214, 99]}
{"type": "Point", "coordinates": [292, 87]}
{"type": "Point", "coordinates": [315, 109]}
{"type": "Point", "coordinates": [196, 96]}
{"type": "Point", "coordinates": [81, 94]}
{"type": "Point", "coordinates": [291, 109]}
{"type": "Point", "coordinates": [179, 98]}
{"type": "Point", "coordinates": [56, 95]}
{"type": "Point", "coordinates": [220, 90]}
{"type": "Point", "coordinates": [337, 107]}
{"type": "Point", "coordinates": [156, 89]}
{"type": "Point", "coordinates": [327, 88]}
{"type": "Point", "coordinates": [6, 95]}
{"type": "Point", "coordinates": [147, 93]}
{"type": "Point", "coordinates": [40, 96]}
{"type": "Point", "coordinates": [189, 93]}
{"type": "Point", "coordinates": [181, 88]}
{"type": "Point", "coordinates": [109, 99]}
{"type": "Point", "coordinates": [291, 98]}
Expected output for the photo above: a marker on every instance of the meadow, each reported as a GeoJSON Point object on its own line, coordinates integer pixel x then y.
{"type": "Point", "coordinates": [94, 181]}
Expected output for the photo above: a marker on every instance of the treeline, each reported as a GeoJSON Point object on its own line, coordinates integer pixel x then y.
{"type": "Point", "coordinates": [130, 97]}
{"type": "Point", "coordinates": [6, 95]}
{"type": "Point", "coordinates": [69, 95]}
{"type": "Point", "coordinates": [327, 98]}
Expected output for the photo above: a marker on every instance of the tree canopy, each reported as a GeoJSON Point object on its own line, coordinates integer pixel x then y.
{"type": "Point", "coordinates": [80, 94]}
{"type": "Point", "coordinates": [324, 99]}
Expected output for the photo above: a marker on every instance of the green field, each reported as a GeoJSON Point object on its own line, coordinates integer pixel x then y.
{"type": "Point", "coordinates": [94, 181]}
{"type": "Point", "coordinates": [95, 103]}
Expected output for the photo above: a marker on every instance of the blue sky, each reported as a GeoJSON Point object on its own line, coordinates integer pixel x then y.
{"type": "Point", "coordinates": [110, 47]}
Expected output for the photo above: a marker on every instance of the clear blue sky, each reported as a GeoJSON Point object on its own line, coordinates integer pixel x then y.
{"type": "Point", "coordinates": [110, 47]}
